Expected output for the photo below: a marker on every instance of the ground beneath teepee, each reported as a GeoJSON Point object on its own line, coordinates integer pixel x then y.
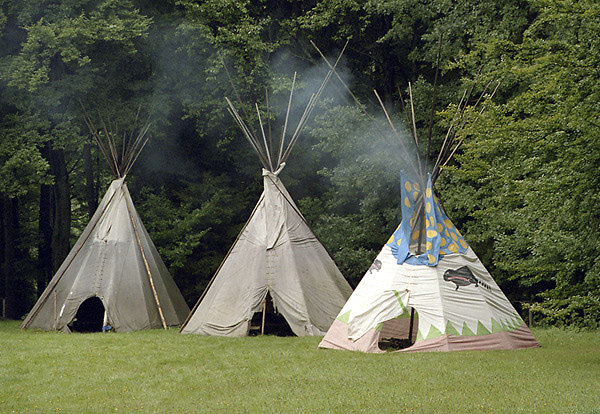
{"type": "Point", "coordinates": [158, 371]}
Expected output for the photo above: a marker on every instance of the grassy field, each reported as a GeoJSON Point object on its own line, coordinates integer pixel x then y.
{"type": "Point", "coordinates": [165, 372]}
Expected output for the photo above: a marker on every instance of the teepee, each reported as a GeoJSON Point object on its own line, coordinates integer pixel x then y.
{"type": "Point", "coordinates": [276, 263]}
{"type": "Point", "coordinates": [113, 278]}
{"type": "Point", "coordinates": [427, 290]}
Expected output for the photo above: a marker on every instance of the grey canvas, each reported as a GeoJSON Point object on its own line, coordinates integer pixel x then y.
{"type": "Point", "coordinates": [276, 252]}
{"type": "Point", "coordinates": [116, 261]}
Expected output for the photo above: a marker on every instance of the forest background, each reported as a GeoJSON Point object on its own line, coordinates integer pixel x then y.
{"type": "Point", "coordinates": [523, 188]}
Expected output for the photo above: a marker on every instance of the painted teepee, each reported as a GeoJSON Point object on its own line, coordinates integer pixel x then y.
{"type": "Point", "coordinates": [275, 256]}
{"type": "Point", "coordinates": [426, 289]}
{"type": "Point", "coordinates": [113, 267]}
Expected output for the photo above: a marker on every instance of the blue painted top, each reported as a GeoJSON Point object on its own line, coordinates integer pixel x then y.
{"type": "Point", "coordinates": [441, 236]}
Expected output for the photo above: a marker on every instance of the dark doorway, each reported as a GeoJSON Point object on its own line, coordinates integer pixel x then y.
{"type": "Point", "coordinates": [398, 334]}
{"type": "Point", "coordinates": [89, 317]}
{"type": "Point", "coordinates": [275, 323]}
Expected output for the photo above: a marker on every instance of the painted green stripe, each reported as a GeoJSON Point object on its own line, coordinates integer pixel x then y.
{"type": "Point", "coordinates": [481, 329]}
{"type": "Point", "coordinates": [517, 322]}
{"type": "Point", "coordinates": [466, 331]}
{"type": "Point", "coordinates": [451, 330]}
{"type": "Point", "coordinates": [399, 299]}
{"type": "Point", "coordinates": [345, 317]}
{"type": "Point", "coordinates": [434, 332]}
{"type": "Point", "coordinates": [496, 327]}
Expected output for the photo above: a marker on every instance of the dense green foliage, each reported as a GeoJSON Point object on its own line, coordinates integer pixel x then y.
{"type": "Point", "coordinates": [159, 371]}
{"type": "Point", "coordinates": [532, 163]}
{"type": "Point", "coordinates": [523, 189]}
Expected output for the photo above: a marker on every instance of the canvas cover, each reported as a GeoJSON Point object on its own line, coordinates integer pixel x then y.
{"type": "Point", "coordinates": [457, 304]}
{"type": "Point", "coordinates": [276, 252]}
{"type": "Point", "coordinates": [106, 262]}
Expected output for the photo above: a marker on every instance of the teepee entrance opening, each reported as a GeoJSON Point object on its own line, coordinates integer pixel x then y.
{"type": "Point", "coordinates": [89, 316]}
{"type": "Point", "coordinates": [399, 333]}
{"type": "Point", "coordinates": [268, 321]}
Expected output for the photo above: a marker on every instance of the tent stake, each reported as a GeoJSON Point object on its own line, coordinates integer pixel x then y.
{"type": "Point", "coordinates": [105, 321]}
{"type": "Point", "coordinates": [262, 326]}
{"type": "Point", "coordinates": [412, 322]}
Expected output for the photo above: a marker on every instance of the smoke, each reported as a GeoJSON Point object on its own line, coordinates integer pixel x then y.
{"type": "Point", "coordinates": [363, 134]}
{"type": "Point", "coordinates": [353, 137]}
{"type": "Point", "coordinates": [362, 154]}
{"type": "Point", "coordinates": [191, 80]}
{"type": "Point", "coordinates": [181, 89]}
{"type": "Point", "coordinates": [191, 122]}
{"type": "Point", "coordinates": [311, 79]}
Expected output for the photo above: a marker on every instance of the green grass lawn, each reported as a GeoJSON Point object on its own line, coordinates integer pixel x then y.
{"type": "Point", "coordinates": [163, 371]}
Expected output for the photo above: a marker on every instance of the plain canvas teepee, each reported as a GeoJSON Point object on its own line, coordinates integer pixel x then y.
{"type": "Point", "coordinates": [427, 290]}
{"type": "Point", "coordinates": [276, 253]}
{"type": "Point", "coordinates": [115, 261]}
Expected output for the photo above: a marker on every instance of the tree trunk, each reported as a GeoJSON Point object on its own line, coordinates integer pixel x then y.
{"type": "Point", "coordinates": [2, 251]}
{"type": "Point", "coordinates": [61, 228]}
{"type": "Point", "coordinates": [10, 215]}
{"type": "Point", "coordinates": [90, 188]}
{"type": "Point", "coordinates": [45, 267]}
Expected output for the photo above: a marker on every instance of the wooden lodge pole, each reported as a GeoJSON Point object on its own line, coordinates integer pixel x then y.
{"type": "Point", "coordinates": [55, 315]}
{"type": "Point", "coordinates": [262, 326]}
